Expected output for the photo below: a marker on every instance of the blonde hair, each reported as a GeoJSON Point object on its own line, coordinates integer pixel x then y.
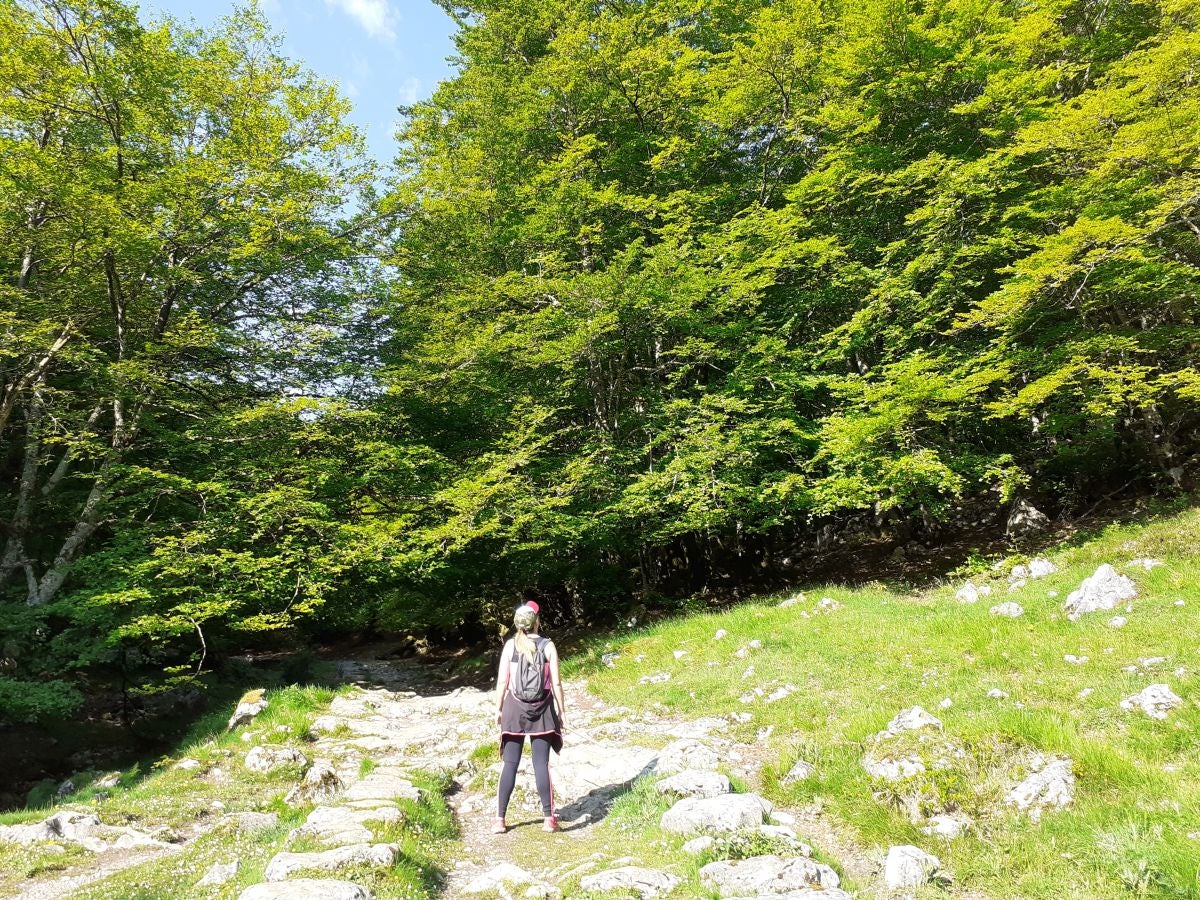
{"type": "Point", "coordinates": [525, 620]}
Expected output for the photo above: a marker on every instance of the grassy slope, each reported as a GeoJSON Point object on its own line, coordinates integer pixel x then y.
{"type": "Point", "coordinates": [1138, 789]}
{"type": "Point", "coordinates": [180, 800]}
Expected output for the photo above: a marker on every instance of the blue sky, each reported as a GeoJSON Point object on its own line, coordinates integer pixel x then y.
{"type": "Point", "coordinates": [383, 52]}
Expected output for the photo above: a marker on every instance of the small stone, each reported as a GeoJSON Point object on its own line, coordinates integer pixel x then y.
{"type": "Point", "coordinates": [187, 764]}
{"type": "Point", "coordinates": [908, 868]}
{"type": "Point", "coordinates": [1025, 518]}
{"type": "Point", "coordinates": [1008, 610]}
{"type": "Point", "coordinates": [1145, 563]}
{"type": "Point", "coordinates": [1156, 701]}
{"type": "Point", "coordinates": [610, 659]}
{"type": "Point", "coordinates": [680, 654]}
{"type": "Point", "coordinates": [780, 693]}
{"type": "Point", "coordinates": [791, 601]}
{"type": "Point", "coordinates": [1051, 785]}
{"type": "Point", "coordinates": [968, 593]}
{"type": "Point", "coordinates": [755, 644]}
{"type": "Point", "coordinates": [1040, 567]}
{"type": "Point", "coordinates": [828, 604]}
{"type": "Point", "coordinates": [655, 679]}
{"type": "Point", "coordinates": [1019, 573]}
{"type": "Point", "coordinates": [219, 873]}
{"type": "Point", "coordinates": [801, 771]}
{"type": "Point", "coordinates": [947, 826]}
{"type": "Point", "coordinates": [111, 780]}
{"type": "Point", "coordinates": [1074, 660]}
{"type": "Point", "coordinates": [1179, 603]}
{"type": "Point", "coordinates": [997, 694]}
{"type": "Point", "coordinates": [696, 846]}
{"type": "Point", "coordinates": [1118, 622]}
{"type": "Point", "coordinates": [1016, 585]}
{"type": "Point", "coordinates": [721, 633]}
{"type": "Point", "coordinates": [1085, 693]}
{"type": "Point", "coordinates": [946, 704]}
{"type": "Point", "coordinates": [912, 719]}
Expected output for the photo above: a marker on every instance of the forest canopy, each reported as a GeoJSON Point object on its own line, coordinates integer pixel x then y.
{"type": "Point", "coordinates": [656, 295]}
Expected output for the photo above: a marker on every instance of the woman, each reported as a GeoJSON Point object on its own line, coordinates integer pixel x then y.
{"type": "Point", "coordinates": [539, 718]}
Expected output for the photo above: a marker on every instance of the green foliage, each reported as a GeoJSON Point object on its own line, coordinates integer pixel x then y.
{"type": "Point", "coordinates": [24, 702]}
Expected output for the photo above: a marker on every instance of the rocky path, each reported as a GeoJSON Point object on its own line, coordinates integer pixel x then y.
{"type": "Point", "coordinates": [364, 752]}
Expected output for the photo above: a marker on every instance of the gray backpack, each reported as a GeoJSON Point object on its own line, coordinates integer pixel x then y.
{"type": "Point", "coordinates": [530, 681]}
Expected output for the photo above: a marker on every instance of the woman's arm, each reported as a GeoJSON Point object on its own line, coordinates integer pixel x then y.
{"type": "Point", "coordinates": [502, 679]}
{"type": "Point", "coordinates": [556, 682]}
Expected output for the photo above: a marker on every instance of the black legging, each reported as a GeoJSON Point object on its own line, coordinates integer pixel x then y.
{"type": "Point", "coordinates": [510, 752]}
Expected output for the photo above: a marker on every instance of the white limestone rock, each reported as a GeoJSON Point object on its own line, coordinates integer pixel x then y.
{"type": "Point", "coordinates": [384, 783]}
{"type": "Point", "coordinates": [219, 873]}
{"type": "Point", "coordinates": [1156, 701]}
{"type": "Point", "coordinates": [1009, 610]}
{"type": "Point", "coordinates": [729, 812]}
{"type": "Point", "coordinates": [799, 772]}
{"type": "Point", "coordinates": [912, 719]}
{"type": "Point", "coordinates": [283, 865]}
{"type": "Point", "coordinates": [320, 783]}
{"type": "Point", "coordinates": [659, 678]}
{"type": "Point", "coordinates": [908, 868]}
{"type": "Point", "coordinates": [695, 783]}
{"type": "Point", "coordinates": [306, 889]}
{"type": "Point", "coordinates": [685, 755]}
{"type": "Point", "coordinates": [1040, 567]}
{"type": "Point", "coordinates": [1025, 518]}
{"type": "Point", "coordinates": [1102, 590]}
{"type": "Point", "coordinates": [246, 712]}
{"type": "Point", "coordinates": [1146, 563]}
{"type": "Point", "coordinates": [646, 882]}
{"type": "Point", "coordinates": [346, 824]}
{"type": "Point", "coordinates": [696, 846]}
{"type": "Point", "coordinates": [947, 825]}
{"type": "Point", "coordinates": [265, 759]}
{"type": "Point", "coordinates": [892, 768]}
{"type": "Point", "coordinates": [968, 593]}
{"type": "Point", "coordinates": [997, 694]}
{"type": "Point", "coordinates": [767, 876]}
{"type": "Point", "coordinates": [1049, 786]}
{"type": "Point", "coordinates": [498, 877]}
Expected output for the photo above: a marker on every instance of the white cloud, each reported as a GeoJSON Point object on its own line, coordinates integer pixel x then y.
{"type": "Point", "coordinates": [410, 91]}
{"type": "Point", "coordinates": [376, 17]}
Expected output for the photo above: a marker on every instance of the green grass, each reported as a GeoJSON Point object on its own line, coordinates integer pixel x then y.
{"type": "Point", "coordinates": [1138, 780]}
{"type": "Point", "coordinates": [168, 801]}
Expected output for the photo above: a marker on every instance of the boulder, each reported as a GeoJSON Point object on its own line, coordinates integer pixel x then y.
{"type": "Point", "coordinates": [1025, 518]}
{"type": "Point", "coordinates": [968, 593]}
{"type": "Point", "coordinates": [251, 704]}
{"type": "Point", "coordinates": [908, 868]}
{"type": "Point", "coordinates": [67, 825]}
{"type": "Point", "coordinates": [646, 882]}
{"type": "Point", "coordinates": [1155, 701]}
{"type": "Point", "coordinates": [1050, 785]}
{"type": "Point", "coordinates": [306, 889]}
{"type": "Point", "coordinates": [695, 783]}
{"type": "Point", "coordinates": [1102, 590]}
{"type": "Point", "coordinates": [767, 875]}
{"type": "Point", "coordinates": [283, 865]}
{"type": "Point", "coordinates": [1008, 610]}
{"type": "Point", "coordinates": [730, 812]}
{"type": "Point", "coordinates": [265, 759]}
{"type": "Point", "coordinates": [320, 783]}
{"type": "Point", "coordinates": [680, 756]}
